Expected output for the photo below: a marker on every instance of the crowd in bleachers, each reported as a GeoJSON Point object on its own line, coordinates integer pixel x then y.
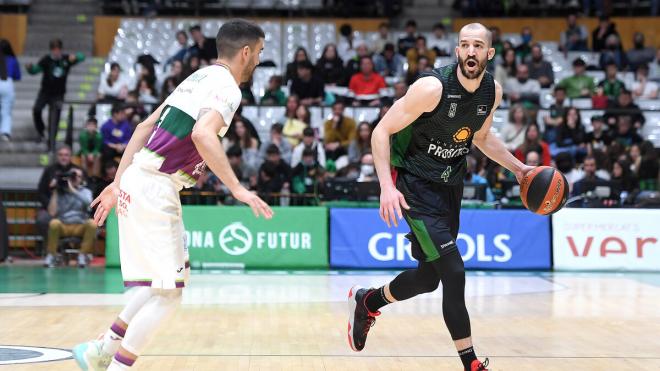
{"type": "Point", "coordinates": [307, 120]}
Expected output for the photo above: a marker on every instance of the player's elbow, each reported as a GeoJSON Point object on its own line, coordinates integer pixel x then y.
{"type": "Point", "coordinates": [480, 139]}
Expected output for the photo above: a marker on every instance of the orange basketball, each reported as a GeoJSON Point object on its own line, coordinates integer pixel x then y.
{"type": "Point", "coordinates": [544, 190]}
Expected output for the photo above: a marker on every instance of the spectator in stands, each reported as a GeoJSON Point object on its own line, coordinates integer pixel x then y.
{"type": "Point", "coordinates": [353, 64]}
{"type": "Point", "coordinates": [69, 209]}
{"type": "Point", "coordinates": [389, 63]}
{"type": "Point", "coordinates": [91, 142]}
{"type": "Point", "coordinates": [613, 52]}
{"type": "Point", "coordinates": [309, 142]}
{"type": "Point", "coordinates": [623, 177]}
{"type": "Point", "coordinates": [274, 96]}
{"type": "Point", "coordinates": [246, 174]}
{"type": "Point", "coordinates": [330, 67]}
{"type": "Point", "coordinates": [598, 138]}
{"type": "Point", "coordinates": [9, 72]}
{"type": "Point", "coordinates": [525, 47]}
{"type": "Point", "coordinates": [654, 69]}
{"type": "Point", "coordinates": [648, 167]}
{"type": "Point", "coordinates": [203, 47]}
{"type": "Point", "coordinates": [578, 85]}
{"type": "Point", "coordinates": [308, 87]}
{"type": "Point", "coordinates": [522, 89]}
{"type": "Point", "coordinates": [639, 54]}
{"type": "Point", "coordinates": [507, 68]}
{"type": "Point", "coordinates": [114, 87]}
{"type": "Point", "coordinates": [539, 69]}
{"type": "Point", "coordinates": [176, 71]}
{"type": "Point", "coordinates": [643, 88]}
{"type": "Point", "coordinates": [48, 182]}
{"type": "Point", "coordinates": [367, 169]}
{"type": "Point", "coordinates": [274, 176]}
{"type": "Point", "coordinates": [242, 138]}
{"type": "Point", "coordinates": [602, 32]}
{"type": "Point", "coordinates": [439, 42]}
{"type": "Point", "coordinates": [387, 104]}
{"type": "Point", "coordinates": [362, 142]}
{"type": "Point", "coordinates": [247, 98]}
{"type": "Point", "coordinates": [107, 177]}
{"type": "Point", "coordinates": [408, 40]}
{"type": "Point", "coordinates": [179, 49]}
{"type": "Point", "coordinates": [566, 164]}
{"type": "Point", "coordinates": [292, 126]}
{"type": "Point", "coordinates": [339, 132]}
{"type": "Point", "coordinates": [611, 85]}
{"type": "Point", "coordinates": [115, 132]}
{"type": "Point", "coordinates": [384, 37]}
{"type": "Point", "coordinates": [624, 106]}
{"type": "Point", "coordinates": [306, 176]}
{"type": "Point", "coordinates": [423, 65]}
{"type": "Point", "coordinates": [533, 159]}
{"type": "Point", "coordinates": [589, 167]}
{"type": "Point", "coordinates": [400, 89]}
{"type": "Point", "coordinates": [555, 116]}
{"type": "Point", "coordinates": [533, 142]}
{"type": "Point", "coordinates": [575, 37]}
{"type": "Point", "coordinates": [366, 82]}
{"type": "Point", "coordinates": [634, 153]}
{"type": "Point", "coordinates": [496, 43]}
{"type": "Point", "coordinates": [513, 133]}
{"type": "Point", "coordinates": [420, 49]}
{"type": "Point", "coordinates": [571, 137]}
{"type": "Point", "coordinates": [277, 139]}
{"type": "Point", "coordinates": [191, 66]}
{"type": "Point", "coordinates": [169, 85]}
{"type": "Point", "coordinates": [146, 69]}
{"type": "Point", "coordinates": [55, 68]}
{"type": "Point", "coordinates": [146, 91]}
{"type": "Point", "coordinates": [471, 176]}
{"type": "Point", "coordinates": [346, 44]}
{"type": "Point", "coordinates": [625, 133]}
{"type": "Point", "coordinates": [292, 68]}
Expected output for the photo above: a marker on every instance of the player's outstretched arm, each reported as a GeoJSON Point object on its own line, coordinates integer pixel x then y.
{"type": "Point", "coordinates": [423, 96]}
{"type": "Point", "coordinates": [108, 197]}
{"type": "Point", "coordinates": [494, 148]}
{"type": "Point", "coordinates": [205, 137]}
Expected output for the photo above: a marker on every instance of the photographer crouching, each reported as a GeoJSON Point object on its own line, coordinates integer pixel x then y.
{"type": "Point", "coordinates": [69, 208]}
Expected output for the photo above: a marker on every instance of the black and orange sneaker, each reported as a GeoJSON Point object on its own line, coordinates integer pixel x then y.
{"type": "Point", "coordinates": [360, 319]}
{"type": "Point", "coordinates": [479, 366]}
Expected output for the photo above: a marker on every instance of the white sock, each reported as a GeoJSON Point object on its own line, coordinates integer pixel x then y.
{"type": "Point", "coordinates": [115, 334]}
{"type": "Point", "coordinates": [157, 310]}
{"type": "Point", "coordinates": [112, 340]}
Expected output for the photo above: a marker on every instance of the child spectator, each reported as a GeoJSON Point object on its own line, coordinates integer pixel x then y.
{"type": "Point", "coordinates": [91, 142]}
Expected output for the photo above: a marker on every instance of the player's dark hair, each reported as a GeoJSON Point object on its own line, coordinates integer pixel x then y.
{"type": "Point", "coordinates": [55, 43]}
{"type": "Point", "coordinates": [236, 34]}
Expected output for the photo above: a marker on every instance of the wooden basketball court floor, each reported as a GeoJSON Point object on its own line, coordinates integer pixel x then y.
{"type": "Point", "coordinates": [269, 320]}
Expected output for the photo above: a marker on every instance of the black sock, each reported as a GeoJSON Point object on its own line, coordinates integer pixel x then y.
{"type": "Point", "coordinates": [467, 356]}
{"type": "Point", "coordinates": [376, 299]}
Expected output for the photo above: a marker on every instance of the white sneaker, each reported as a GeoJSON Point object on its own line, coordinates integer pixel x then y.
{"type": "Point", "coordinates": [49, 262]}
{"type": "Point", "coordinates": [91, 357]}
{"type": "Point", "coordinates": [82, 260]}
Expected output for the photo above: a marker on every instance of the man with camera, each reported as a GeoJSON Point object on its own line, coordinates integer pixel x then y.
{"type": "Point", "coordinates": [69, 208]}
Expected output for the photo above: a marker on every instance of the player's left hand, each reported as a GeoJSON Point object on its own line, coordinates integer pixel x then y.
{"type": "Point", "coordinates": [258, 206]}
{"type": "Point", "coordinates": [523, 171]}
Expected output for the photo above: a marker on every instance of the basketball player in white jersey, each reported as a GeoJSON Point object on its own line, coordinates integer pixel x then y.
{"type": "Point", "coordinates": [168, 152]}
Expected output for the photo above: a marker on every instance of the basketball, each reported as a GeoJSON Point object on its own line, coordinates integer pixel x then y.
{"type": "Point", "coordinates": [544, 190]}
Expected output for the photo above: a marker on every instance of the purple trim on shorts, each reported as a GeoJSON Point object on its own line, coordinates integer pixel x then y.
{"type": "Point", "coordinates": [179, 284]}
{"type": "Point", "coordinates": [124, 360]}
{"type": "Point", "coordinates": [136, 283]}
{"type": "Point", "coordinates": [118, 330]}
{"type": "Point", "coordinates": [187, 264]}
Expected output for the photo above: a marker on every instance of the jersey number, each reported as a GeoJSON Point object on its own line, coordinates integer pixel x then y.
{"type": "Point", "coordinates": [445, 174]}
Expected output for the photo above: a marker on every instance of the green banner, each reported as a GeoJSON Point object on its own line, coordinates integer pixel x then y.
{"type": "Point", "coordinates": [296, 237]}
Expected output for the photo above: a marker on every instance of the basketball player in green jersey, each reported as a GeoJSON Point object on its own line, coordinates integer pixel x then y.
{"type": "Point", "coordinates": [421, 177]}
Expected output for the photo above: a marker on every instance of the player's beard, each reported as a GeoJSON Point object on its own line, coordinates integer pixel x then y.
{"type": "Point", "coordinates": [481, 66]}
{"type": "Point", "coordinates": [247, 72]}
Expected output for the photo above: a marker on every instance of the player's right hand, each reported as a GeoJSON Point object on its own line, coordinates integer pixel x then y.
{"type": "Point", "coordinates": [258, 206]}
{"type": "Point", "coordinates": [391, 202]}
{"type": "Point", "coordinates": [105, 201]}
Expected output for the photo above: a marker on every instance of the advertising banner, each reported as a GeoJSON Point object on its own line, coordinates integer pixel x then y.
{"type": "Point", "coordinates": [488, 239]}
{"type": "Point", "coordinates": [607, 239]}
{"type": "Point", "coordinates": [296, 237]}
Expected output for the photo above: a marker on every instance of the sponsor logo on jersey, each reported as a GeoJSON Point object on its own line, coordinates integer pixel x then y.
{"type": "Point", "coordinates": [452, 110]}
{"type": "Point", "coordinates": [438, 150]}
{"type": "Point", "coordinates": [482, 109]}
{"type": "Point", "coordinates": [454, 96]}
{"type": "Point", "coordinates": [462, 134]}
{"type": "Point", "coordinates": [199, 168]}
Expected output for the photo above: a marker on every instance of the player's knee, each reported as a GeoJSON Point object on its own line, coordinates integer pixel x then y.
{"type": "Point", "coordinates": [428, 284]}
{"type": "Point", "coordinates": [172, 296]}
